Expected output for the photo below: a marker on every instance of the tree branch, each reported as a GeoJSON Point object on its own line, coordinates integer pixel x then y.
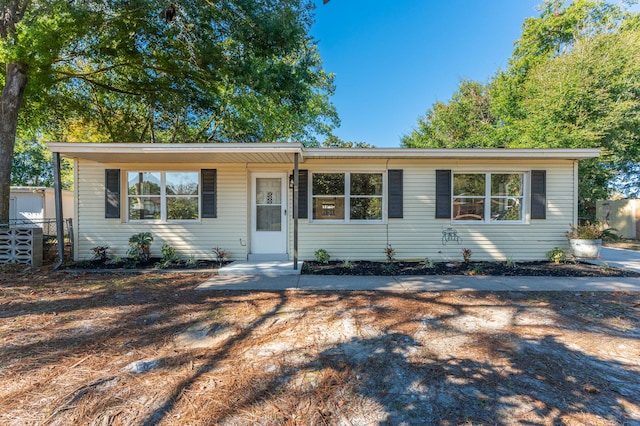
{"type": "Point", "coordinates": [97, 83]}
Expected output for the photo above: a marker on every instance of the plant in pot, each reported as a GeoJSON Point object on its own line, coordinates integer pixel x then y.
{"type": "Point", "coordinates": [586, 239]}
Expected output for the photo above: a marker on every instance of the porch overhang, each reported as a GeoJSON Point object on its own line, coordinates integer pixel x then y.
{"type": "Point", "coordinates": [284, 153]}
{"type": "Point", "coordinates": [264, 153]}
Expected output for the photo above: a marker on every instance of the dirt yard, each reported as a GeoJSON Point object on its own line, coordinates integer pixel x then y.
{"type": "Point", "coordinates": [148, 349]}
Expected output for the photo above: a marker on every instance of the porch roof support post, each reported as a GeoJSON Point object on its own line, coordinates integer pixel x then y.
{"type": "Point", "coordinates": [57, 186]}
{"type": "Point", "coordinates": [295, 211]}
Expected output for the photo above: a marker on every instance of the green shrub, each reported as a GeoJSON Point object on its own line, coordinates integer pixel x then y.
{"type": "Point", "coordinates": [322, 256]}
{"type": "Point", "coordinates": [169, 254]}
{"type": "Point", "coordinates": [556, 255]}
{"type": "Point", "coordinates": [140, 247]}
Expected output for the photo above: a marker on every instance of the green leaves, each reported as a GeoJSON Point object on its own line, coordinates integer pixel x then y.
{"type": "Point", "coordinates": [234, 70]}
{"type": "Point", "coordinates": [573, 81]}
{"type": "Point", "coordinates": [465, 121]}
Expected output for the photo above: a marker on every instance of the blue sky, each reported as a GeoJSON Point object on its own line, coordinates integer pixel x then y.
{"type": "Point", "coordinates": [394, 58]}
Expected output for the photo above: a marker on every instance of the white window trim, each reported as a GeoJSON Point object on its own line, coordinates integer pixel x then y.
{"type": "Point", "coordinates": [347, 198]}
{"type": "Point", "coordinates": [526, 176]}
{"type": "Point", "coordinates": [163, 197]}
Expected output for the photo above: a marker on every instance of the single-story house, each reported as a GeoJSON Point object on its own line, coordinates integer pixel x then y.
{"type": "Point", "coordinates": [283, 200]}
{"type": "Point", "coordinates": [36, 205]}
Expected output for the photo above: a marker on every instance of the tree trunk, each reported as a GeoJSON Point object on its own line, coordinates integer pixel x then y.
{"type": "Point", "coordinates": [10, 102]}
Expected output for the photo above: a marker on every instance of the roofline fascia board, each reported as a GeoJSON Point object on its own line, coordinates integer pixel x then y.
{"type": "Point", "coordinates": [426, 153]}
{"type": "Point", "coordinates": [70, 147]}
{"type": "Point", "coordinates": [73, 149]}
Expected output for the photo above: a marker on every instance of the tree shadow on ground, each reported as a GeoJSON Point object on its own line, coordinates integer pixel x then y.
{"type": "Point", "coordinates": [335, 358]}
{"type": "Point", "coordinates": [541, 380]}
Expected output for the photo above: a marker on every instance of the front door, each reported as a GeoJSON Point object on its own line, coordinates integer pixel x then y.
{"type": "Point", "coordinates": [268, 213]}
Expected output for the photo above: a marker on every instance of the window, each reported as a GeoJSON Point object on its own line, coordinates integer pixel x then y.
{"type": "Point", "coordinates": [163, 195]}
{"type": "Point", "coordinates": [347, 196]}
{"type": "Point", "coordinates": [488, 197]}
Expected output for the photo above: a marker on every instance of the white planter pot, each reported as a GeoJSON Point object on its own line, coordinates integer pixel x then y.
{"type": "Point", "coordinates": [586, 248]}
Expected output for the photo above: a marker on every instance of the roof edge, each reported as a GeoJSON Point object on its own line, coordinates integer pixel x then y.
{"type": "Point", "coordinates": [63, 147]}
{"type": "Point", "coordinates": [72, 148]}
{"type": "Point", "coordinates": [565, 153]}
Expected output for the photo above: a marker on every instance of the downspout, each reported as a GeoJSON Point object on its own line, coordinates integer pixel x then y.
{"type": "Point", "coordinates": [387, 204]}
{"type": "Point", "coordinates": [295, 211]}
{"type": "Point", "coordinates": [575, 193]}
{"type": "Point", "coordinates": [57, 186]}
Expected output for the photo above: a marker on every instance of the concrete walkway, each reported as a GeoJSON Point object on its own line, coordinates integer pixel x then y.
{"type": "Point", "coordinates": [274, 276]}
{"type": "Point", "coordinates": [416, 283]}
{"type": "Point", "coordinates": [619, 258]}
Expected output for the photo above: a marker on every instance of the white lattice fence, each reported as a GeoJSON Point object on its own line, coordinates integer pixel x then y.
{"type": "Point", "coordinates": [21, 245]}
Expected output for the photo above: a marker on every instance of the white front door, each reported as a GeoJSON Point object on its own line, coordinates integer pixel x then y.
{"type": "Point", "coordinates": [268, 213]}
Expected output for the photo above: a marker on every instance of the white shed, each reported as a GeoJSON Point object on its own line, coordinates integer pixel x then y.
{"type": "Point", "coordinates": [35, 205]}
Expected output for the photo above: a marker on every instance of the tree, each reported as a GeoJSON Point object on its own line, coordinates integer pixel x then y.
{"type": "Point", "coordinates": [335, 142]}
{"type": "Point", "coordinates": [573, 81]}
{"type": "Point", "coordinates": [465, 121]}
{"type": "Point", "coordinates": [197, 71]}
{"type": "Point", "coordinates": [32, 165]}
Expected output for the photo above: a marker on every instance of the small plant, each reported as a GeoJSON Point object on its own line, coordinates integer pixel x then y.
{"type": "Point", "coordinates": [346, 264]}
{"type": "Point", "coordinates": [390, 268]}
{"type": "Point", "coordinates": [466, 255]}
{"type": "Point", "coordinates": [428, 263]}
{"type": "Point", "coordinates": [116, 260]}
{"type": "Point", "coordinates": [101, 253]}
{"type": "Point", "coordinates": [140, 247]}
{"type": "Point", "coordinates": [510, 262]}
{"type": "Point", "coordinates": [556, 255]}
{"type": "Point", "coordinates": [169, 254]}
{"type": "Point", "coordinates": [390, 253]}
{"type": "Point", "coordinates": [191, 261]}
{"type": "Point", "coordinates": [476, 270]}
{"type": "Point", "coordinates": [322, 256]}
{"type": "Point", "coordinates": [591, 231]}
{"type": "Point", "coordinates": [220, 254]}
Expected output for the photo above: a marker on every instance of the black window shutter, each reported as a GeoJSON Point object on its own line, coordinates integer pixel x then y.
{"type": "Point", "coordinates": [209, 193]}
{"type": "Point", "coordinates": [395, 194]}
{"type": "Point", "coordinates": [538, 194]}
{"type": "Point", "coordinates": [443, 194]}
{"type": "Point", "coordinates": [112, 193]}
{"type": "Point", "coordinates": [303, 194]}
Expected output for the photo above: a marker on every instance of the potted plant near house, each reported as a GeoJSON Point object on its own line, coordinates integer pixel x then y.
{"type": "Point", "coordinates": [586, 240]}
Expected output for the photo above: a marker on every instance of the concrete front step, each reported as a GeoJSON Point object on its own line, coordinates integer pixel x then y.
{"type": "Point", "coordinates": [267, 268]}
{"type": "Point", "coordinates": [268, 257]}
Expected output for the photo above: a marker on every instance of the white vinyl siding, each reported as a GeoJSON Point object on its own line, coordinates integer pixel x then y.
{"type": "Point", "coordinates": [189, 238]}
{"type": "Point", "coordinates": [416, 236]}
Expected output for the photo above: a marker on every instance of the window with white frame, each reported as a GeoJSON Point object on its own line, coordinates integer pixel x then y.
{"type": "Point", "coordinates": [165, 196]}
{"type": "Point", "coordinates": [347, 196]}
{"type": "Point", "coordinates": [488, 197]}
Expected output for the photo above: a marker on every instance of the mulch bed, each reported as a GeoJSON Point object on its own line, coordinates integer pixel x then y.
{"type": "Point", "coordinates": [151, 264]}
{"type": "Point", "coordinates": [547, 269]}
